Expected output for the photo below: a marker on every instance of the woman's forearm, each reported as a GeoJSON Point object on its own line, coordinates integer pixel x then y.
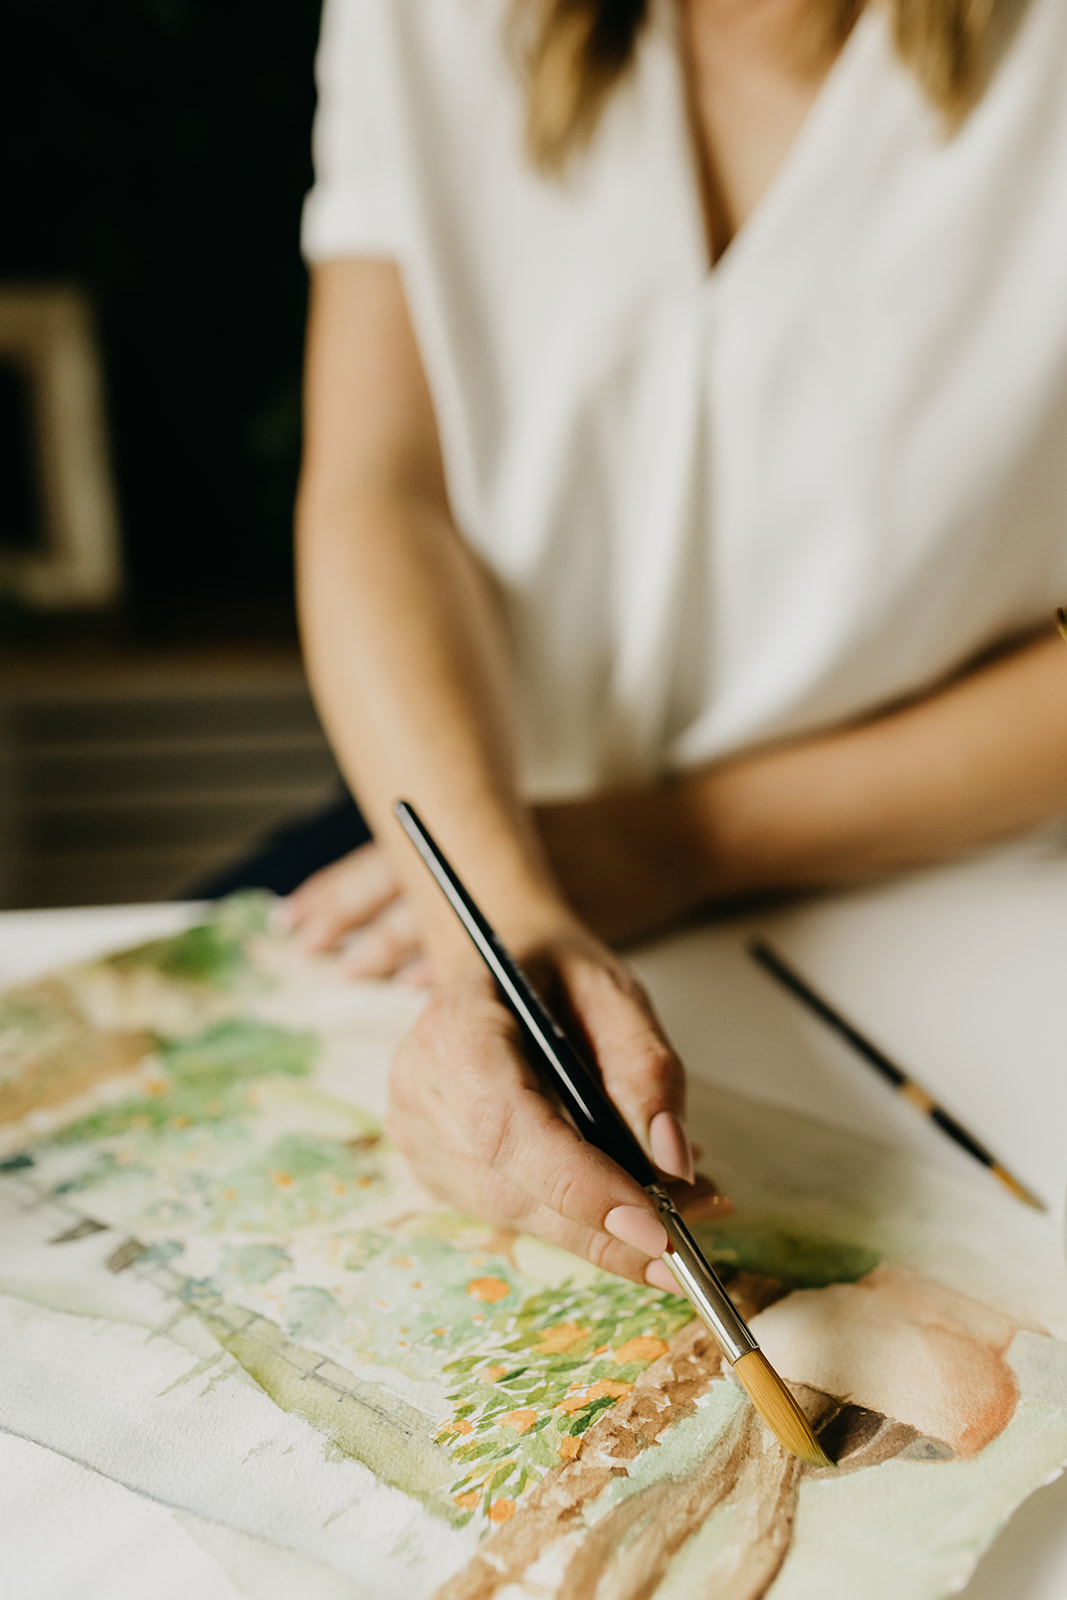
{"type": "Point", "coordinates": [982, 758]}
{"type": "Point", "coordinates": [400, 651]}
{"type": "Point", "coordinates": [400, 633]}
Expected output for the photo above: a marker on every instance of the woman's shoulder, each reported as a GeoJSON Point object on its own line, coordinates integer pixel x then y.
{"type": "Point", "coordinates": [438, 39]}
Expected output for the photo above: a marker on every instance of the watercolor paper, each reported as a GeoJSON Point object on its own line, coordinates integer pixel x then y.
{"type": "Point", "coordinates": [224, 1303]}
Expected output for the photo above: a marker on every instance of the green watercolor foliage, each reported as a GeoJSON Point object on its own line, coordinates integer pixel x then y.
{"type": "Point", "coordinates": [523, 1372]}
{"type": "Point", "coordinates": [312, 1313]}
{"type": "Point", "coordinates": [25, 1020]}
{"type": "Point", "coordinates": [205, 1079]}
{"type": "Point", "coordinates": [763, 1246]}
{"type": "Point", "coordinates": [217, 1179]}
{"type": "Point", "coordinates": [300, 1180]}
{"type": "Point", "coordinates": [212, 953]}
{"type": "Point", "coordinates": [544, 1373]}
{"type": "Point", "coordinates": [550, 1368]}
{"type": "Point", "coordinates": [249, 1264]}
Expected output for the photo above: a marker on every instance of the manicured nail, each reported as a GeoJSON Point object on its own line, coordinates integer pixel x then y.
{"type": "Point", "coordinates": [671, 1150]}
{"type": "Point", "coordinates": [638, 1228]}
{"type": "Point", "coordinates": [660, 1276]}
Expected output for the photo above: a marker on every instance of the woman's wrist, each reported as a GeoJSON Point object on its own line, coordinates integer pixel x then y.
{"type": "Point", "coordinates": [525, 909]}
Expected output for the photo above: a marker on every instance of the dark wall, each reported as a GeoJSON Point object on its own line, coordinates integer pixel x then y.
{"type": "Point", "coordinates": [157, 152]}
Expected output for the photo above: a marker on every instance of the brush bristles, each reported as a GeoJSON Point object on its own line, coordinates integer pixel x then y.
{"type": "Point", "coordinates": [778, 1409]}
{"type": "Point", "coordinates": [1061, 621]}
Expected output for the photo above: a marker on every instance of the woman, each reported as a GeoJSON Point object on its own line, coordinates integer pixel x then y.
{"type": "Point", "coordinates": [683, 504]}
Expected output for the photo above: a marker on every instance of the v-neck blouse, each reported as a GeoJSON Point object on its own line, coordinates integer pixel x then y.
{"type": "Point", "coordinates": [732, 505]}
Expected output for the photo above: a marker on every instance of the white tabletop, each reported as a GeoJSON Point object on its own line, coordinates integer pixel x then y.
{"type": "Point", "coordinates": [956, 973]}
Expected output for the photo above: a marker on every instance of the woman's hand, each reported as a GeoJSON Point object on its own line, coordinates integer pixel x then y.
{"type": "Point", "coordinates": [630, 862]}
{"type": "Point", "coordinates": [621, 860]}
{"type": "Point", "coordinates": [357, 902]}
{"type": "Point", "coordinates": [479, 1132]}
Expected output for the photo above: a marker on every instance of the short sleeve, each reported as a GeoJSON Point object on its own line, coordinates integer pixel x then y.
{"type": "Point", "coordinates": [352, 209]}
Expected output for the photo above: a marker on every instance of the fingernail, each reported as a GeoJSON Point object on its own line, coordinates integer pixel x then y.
{"type": "Point", "coordinates": [282, 917]}
{"type": "Point", "coordinates": [660, 1276]}
{"type": "Point", "coordinates": [638, 1228]}
{"type": "Point", "coordinates": [671, 1150]}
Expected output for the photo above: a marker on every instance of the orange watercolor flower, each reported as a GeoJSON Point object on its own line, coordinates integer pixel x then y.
{"type": "Point", "coordinates": [468, 1501]}
{"type": "Point", "coordinates": [458, 1425]}
{"type": "Point", "coordinates": [521, 1421]}
{"type": "Point", "coordinates": [401, 1261]}
{"type": "Point", "coordinates": [157, 1087]}
{"type": "Point", "coordinates": [489, 1289]}
{"type": "Point", "coordinates": [282, 1180]}
{"type": "Point", "coordinates": [606, 1388]}
{"type": "Point", "coordinates": [569, 1447]}
{"type": "Point", "coordinates": [573, 1403]}
{"type": "Point", "coordinates": [440, 1332]}
{"type": "Point", "coordinates": [644, 1348]}
{"type": "Point", "coordinates": [364, 1183]}
{"type": "Point", "coordinates": [340, 1188]}
{"type": "Point", "coordinates": [501, 1510]}
{"type": "Point", "coordinates": [560, 1338]}
{"type": "Point", "coordinates": [492, 1374]}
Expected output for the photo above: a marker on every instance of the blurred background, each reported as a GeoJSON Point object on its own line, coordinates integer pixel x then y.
{"type": "Point", "coordinates": [154, 719]}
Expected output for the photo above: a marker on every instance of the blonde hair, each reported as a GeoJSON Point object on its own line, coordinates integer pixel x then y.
{"type": "Point", "coordinates": [576, 51]}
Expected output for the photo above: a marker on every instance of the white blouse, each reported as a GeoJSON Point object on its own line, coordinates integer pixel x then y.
{"type": "Point", "coordinates": [732, 504]}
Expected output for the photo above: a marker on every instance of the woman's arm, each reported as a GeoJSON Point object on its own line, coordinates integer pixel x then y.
{"type": "Point", "coordinates": [408, 671]}
{"type": "Point", "coordinates": [398, 629]}
{"type": "Point", "coordinates": [981, 758]}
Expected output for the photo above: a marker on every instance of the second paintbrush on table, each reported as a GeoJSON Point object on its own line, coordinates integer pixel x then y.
{"type": "Point", "coordinates": [553, 1056]}
{"type": "Point", "coordinates": [905, 1085]}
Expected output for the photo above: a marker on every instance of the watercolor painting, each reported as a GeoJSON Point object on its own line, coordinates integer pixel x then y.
{"type": "Point", "coordinates": [205, 1235]}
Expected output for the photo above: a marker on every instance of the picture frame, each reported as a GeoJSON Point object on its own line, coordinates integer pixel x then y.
{"type": "Point", "coordinates": [71, 559]}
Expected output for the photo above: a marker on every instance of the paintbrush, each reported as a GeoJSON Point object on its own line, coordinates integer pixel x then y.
{"type": "Point", "coordinates": [558, 1063]}
{"type": "Point", "coordinates": [1061, 620]}
{"type": "Point", "coordinates": [904, 1085]}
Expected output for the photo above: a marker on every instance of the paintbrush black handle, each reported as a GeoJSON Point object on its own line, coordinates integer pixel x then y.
{"type": "Point", "coordinates": [546, 1046]}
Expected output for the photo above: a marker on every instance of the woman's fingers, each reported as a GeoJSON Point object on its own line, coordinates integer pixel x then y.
{"type": "Point", "coordinates": [479, 1129]}
{"type": "Point", "coordinates": [513, 1208]}
{"type": "Point", "coordinates": [343, 896]}
{"type": "Point", "coordinates": [467, 1111]}
{"type": "Point", "coordinates": [358, 898]}
{"type": "Point", "coordinates": [386, 946]}
{"type": "Point", "coordinates": [642, 1074]}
